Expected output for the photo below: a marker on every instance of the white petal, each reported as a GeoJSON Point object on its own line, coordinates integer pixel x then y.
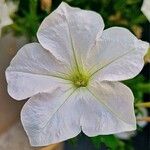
{"type": "Point", "coordinates": [146, 9]}
{"type": "Point", "coordinates": [33, 70]}
{"type": "Point", "coordinates": [143, 113]}
{"type": "Point", "coordinates": [118, 55]}
{"type": "Point", "coordinates": [70, 32]}
{"type": "Point", "coordinates": [4, 15]}
{"type": "Point", "coordinates": [126, 135]}
{"type": "Point", "coordinates": [51, 117]}
{"type": "Point", "coordinates": [108, 109]}
{"type": "Point", "coordinates": [12, 6]}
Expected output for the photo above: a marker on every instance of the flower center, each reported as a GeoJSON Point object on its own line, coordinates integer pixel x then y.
{"type": "Point", "coordinates": [80, 79]}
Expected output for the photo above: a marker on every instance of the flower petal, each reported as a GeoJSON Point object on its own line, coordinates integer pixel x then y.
{"type": "Point", "coordinates": [146, 9]}
{"type": "Point", "coordinates": [4, 16]}
{"type": "Point", "coordinates": [51, 117]}
{"type": "Point", "coordinates": [34, 70]}
{"type": "Point", "coordinates": [70, 32]}
{"type": "Point", "coordinates": [118, 55]}
{"type": "Point", "coordinates": [108, 109]}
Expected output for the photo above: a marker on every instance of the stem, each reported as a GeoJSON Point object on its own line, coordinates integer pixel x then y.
{"type": "Point", "coordinates": [147, 119]}
{"type": "Point", "coordinates": [146, 104]}
{"type": "Point", "coordinates": [53, 147]}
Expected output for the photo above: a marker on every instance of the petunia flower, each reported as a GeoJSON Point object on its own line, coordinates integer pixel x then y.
{"type": "Point", "coordinates": [12, 7]}
{"type": "Point", "coordinates": [146, 8]}
{"type": "Point", "coordinates": [128, 135]}
{"type": "Point", "coordinates": [71, 77]}
{"type": "Point", "coordinates": [4, 15]}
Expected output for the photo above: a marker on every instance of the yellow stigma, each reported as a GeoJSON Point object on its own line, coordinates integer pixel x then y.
{"type": "Point", "coordinates": [80, 79]}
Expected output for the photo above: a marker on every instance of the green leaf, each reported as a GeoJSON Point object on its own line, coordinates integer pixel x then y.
{"type": "Point", "coordinates": [112, 142]}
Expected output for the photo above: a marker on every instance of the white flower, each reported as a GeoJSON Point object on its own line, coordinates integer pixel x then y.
{"type": "Point", "coordinates": [142, 124]}
{"type": "Point", "coordinates": [5, 11]}
{"type": "Point", "coordinates": [126, 135]}
{"type": "Point", "coordinates": [72, 77]}
{"type": "Point", "coordinates": [146, 8]}
{"type": "Point", "coordinates": [12, 7]}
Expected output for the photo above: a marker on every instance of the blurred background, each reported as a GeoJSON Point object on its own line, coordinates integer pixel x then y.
{"type": "Point", "coordinates": [21, 21]}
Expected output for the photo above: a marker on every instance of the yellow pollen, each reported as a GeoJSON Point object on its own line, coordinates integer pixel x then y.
{"type": "Point", "coordinates": [79, 79]}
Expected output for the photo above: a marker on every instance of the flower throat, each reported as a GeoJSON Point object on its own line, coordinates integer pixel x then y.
{"type": "Point", "coordinates": [80, 79]}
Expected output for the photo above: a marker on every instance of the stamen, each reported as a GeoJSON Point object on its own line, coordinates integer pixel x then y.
{"type": "Point", "coordinates": [79, 79]}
